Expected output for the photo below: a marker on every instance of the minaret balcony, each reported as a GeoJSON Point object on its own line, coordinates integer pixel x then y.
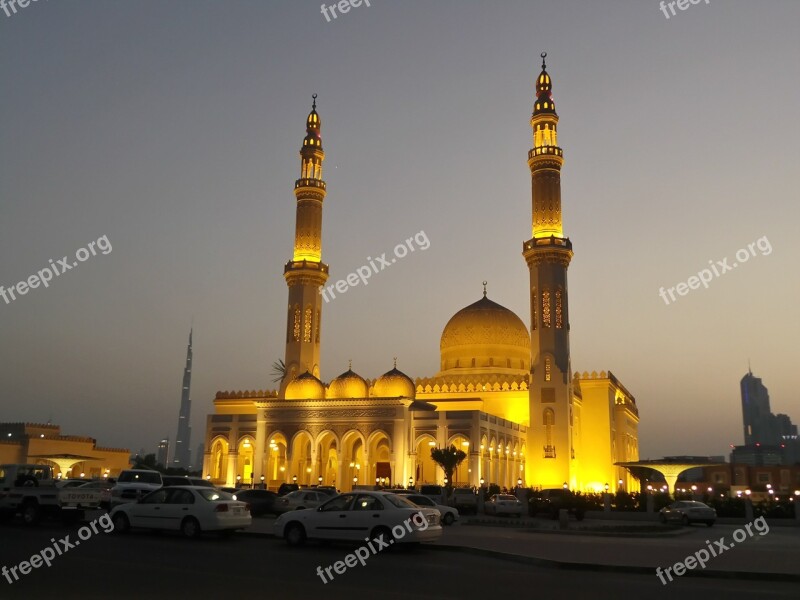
{"type": "Point", "coordinates": [549, 452]}
{"type": "Point", "coordinates": [295, 265]}
{"type": "Point", "coordinates": [309, 183]}
{"type": "Point", "coordinates": [545, 151]}
{"type": "Point", "coordinates": [547, 241]}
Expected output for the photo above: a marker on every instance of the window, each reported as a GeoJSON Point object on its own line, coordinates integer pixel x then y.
{"type": "Point", "coordinates": [546, 308]}
{"type": "Point", "coordinates": [317, 334]}
{"type": "Point", "coordinates": [533, 308]}
{"type": "Point", "coordinates": [296, 328]}
{"type": "Point", "coordinates": [559, 310]}
{"type": "Point", "coordinates": [763, 478]}
{"type": "Point", "coordinates": [367, 503]}
{"type": "Point", "coordinates": [180, 497]}
{"type": "Point", "coordinates": [547, 369]}
{"type": "Point", "coordinates": [157, 497]}
{"type": "Point", "coordinates": [307, 325]}
{"type": "Point", "coordinates": [339, 503]}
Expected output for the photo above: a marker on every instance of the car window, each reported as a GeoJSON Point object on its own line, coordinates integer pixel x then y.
{"type": "Point", "coordinates": [157, 497]}
{"type": "Point", "coordinates": [213, 495]}
{"type": "Point", "coordinates": [180, 497]}
{"type": "Point", "coordinates": [365, 502]}
{"type": "Point", "coordinates": [310, 496]}
{"type": "Point", "coordinates": [422, 500]}
{"type": "Point", "coordinates": [398, 501]}
{"type": "Point", "coordinates": [338, 503]}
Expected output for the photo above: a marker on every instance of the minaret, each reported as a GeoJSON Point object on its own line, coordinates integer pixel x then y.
{"type": "Point", "coordinates": [183, 439]}
{"type": "Point", "coordinates": [548, 254]}
{"type": "Point", "coordinates": [306, 272]}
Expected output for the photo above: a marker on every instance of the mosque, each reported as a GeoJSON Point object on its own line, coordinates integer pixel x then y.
{"type": "Point", "coordinates": [504, 394]}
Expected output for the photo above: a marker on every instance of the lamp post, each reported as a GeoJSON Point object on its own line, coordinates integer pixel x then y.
{"type": "Point", "coordinates": [606, 499]}
{"type": "Point", "coordinates": [319, 479]}
{"type": "Point", "coordinates": [565, 486]}
{"type": "Point", "coordinates": [238, 481]}
{"type": "Point", "coordinates": [263, 487]}
{"type": "Point", "coordinates": [410, 482]}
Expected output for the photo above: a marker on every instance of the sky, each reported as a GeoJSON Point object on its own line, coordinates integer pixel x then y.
{"type": "Point", "coordinates": [173, 129]}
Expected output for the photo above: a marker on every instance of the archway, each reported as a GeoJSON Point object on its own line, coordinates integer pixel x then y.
{"type": "Point", "coordinates": [461, 476]}
{"type": "Point", "coordinates": [426, 470]}
{"type": "Point", "coordinates": [301, 458]}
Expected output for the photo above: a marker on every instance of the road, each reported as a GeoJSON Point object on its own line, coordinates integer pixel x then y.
{"type": "Point", "coordinates": [154, 566]}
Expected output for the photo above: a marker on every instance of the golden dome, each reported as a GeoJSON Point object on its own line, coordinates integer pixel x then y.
{"type": "Point", "coordinates": [485, 337]}
{"type": "Point", "coordinates": [348, 385]}
{"type": "Point", "coordinates": [393, 384]}
{"type": "Point", "coordinates": [305, 387]}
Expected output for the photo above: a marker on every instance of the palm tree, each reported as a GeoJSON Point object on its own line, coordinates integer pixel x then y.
{"type": "Point", "coordinates": [448, 459]}
{"type": "Point", "coordinates": [278, 370]}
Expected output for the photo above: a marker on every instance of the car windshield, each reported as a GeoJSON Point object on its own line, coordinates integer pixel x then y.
{"type": "Point", "coordinates": [399, 501]}
{"type": "Point", "coordinates": [213, 495]}
{"type": "Point", "coordinates": [506, 497]}
{"type": "Point", "coordinates": [140, 477]}
{"type": "Point", "coordinates": [421, 500]}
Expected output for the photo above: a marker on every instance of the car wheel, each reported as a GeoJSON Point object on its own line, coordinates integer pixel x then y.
{"type": "Point", "coordinates": [685, 520]}
{"type": "Point", "coordinates": [448, 519]}
{"type": "Point", "coordinates": [190, 527]}
{"type": "Point", "coordinates": [382, 531]}
{"type": "Point", "coordinates": [121, 523]}
{"type": "Point", "coordinates": [295, 534]}
{"type": "Point", "coordinates": [31, 513]}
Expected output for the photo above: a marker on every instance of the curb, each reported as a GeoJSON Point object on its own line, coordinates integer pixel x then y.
{"type": "Point", "coordinates": [555, 564]}
{"type": "Point", "coordinates": [573, 566]}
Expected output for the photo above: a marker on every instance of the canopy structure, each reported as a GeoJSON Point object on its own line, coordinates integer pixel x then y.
{"type": "Point", "coordinates": [65, 462]}
{"type": "Point", "coordinates": [670, 469]}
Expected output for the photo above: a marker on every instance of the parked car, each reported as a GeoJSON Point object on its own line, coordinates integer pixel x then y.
{"type": "Point", "coordinates": [71, 483]}
{"type": "Point", "coordinates": [449, 515]}
{"type": "Point", "coordinates": [687, 512]}
{"type": "Point", "coordinates": [133, 484]}
{"type": "Point", "coordinates": [330, 490]}
{"type": "Point", "coordinates": [401, 491]}
{"type": "Point", "coordinates": [300, 499]}
{"type": "Point", "coordinates": [464, 500]}
{"type": "Point", "coordinates": [434, 492]}
{"type": "Point", "coordinates": [185, 480]}
{"type": "Point", "coordinates": [358, 515]}
{"type": "Point", "coordinates": [191, 510]}
{"type": "Point", "coordinates": [504, 504]}
{"type": "Point", "coordinates": [285, 488]}
{"type": "Point", "coordinates": [551, 501]}
{"type": "Point", "coordinates": [104, 485]}
{"type": "Point", "coordinates": [262, 502]}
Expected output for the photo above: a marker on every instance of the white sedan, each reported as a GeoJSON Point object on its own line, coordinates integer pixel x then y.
{"type": "Point", "coordinates": [358, 516]}
{"type": "Point", "coordinates": [300, 499]}
{"type": "Point", "coordinates": [188, 509]}
{"type": "Point", "coordinates": [449, 514]}
{"type": "Point", "coordinates": [504, 504]}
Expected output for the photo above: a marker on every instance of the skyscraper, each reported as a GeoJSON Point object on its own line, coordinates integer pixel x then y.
{"type": "Point", "coordinates": [183, 439]}
{"type": "Point", "coordinates": [757, 419]}
{"type": "Point", "coordinates": [162, 452]}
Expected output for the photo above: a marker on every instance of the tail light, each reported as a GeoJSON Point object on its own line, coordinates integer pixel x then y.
{"type": "Point", "coordinates": [221, 508]}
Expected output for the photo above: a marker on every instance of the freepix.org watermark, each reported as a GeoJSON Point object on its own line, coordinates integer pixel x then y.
{"type": "Point", "coordinates": [362, 553]}
{"type": "Point", "coordinates": [58, 548]}
{"type": "Point", "coordinates": [344, 7]}
{"type": "Point", "coordinates": [701, 557]}
{"type": "Point", "coordinates": [363, 273]}
{"type": "Point", "coordinates": [682, 5]}
{"type": "Point", "coordinates": [45, 276]}
{"type": "Point", "coordinates": [13, 4]}
{"type": "Point", "coordinates": [720, 267]}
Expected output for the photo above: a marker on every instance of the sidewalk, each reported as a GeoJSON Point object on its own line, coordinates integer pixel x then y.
{"type": "Point", "coordinates": [771, 556]}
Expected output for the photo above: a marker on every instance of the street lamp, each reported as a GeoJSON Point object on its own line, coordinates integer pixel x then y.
{"type": "Point", "coordinates": [519, 481]}
{"type": "Point", "coordinates": [484, 481]}
{"type": "Point", "coordinates": [355, 480]}
{"type": "Point", "coordinates": [411, 482]}
{"type": "Point", "coordinates": [319, 479]}
{"type": "Point", "coordinates": [262, 482]}
{"type": "Point", "coordinates": [445, 480]}
{"type": "Point", "coordinates": [294, 478]}
{"type": "Point", "coordinates": [565, 486]}
{"type": "Point", "coordinates": [606, 486]}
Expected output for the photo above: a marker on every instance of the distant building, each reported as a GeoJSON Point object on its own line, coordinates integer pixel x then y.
{"type": "Point", "coordinates": [70, 455]}
{"type": "Point", "coordinates": [197, 459]}
{"type": "Point", "coordinates": [182, 458]}
{"type": "Point", "coordinates": [162, 452]}
{"type": "Point", "coordinates": [768, 439]}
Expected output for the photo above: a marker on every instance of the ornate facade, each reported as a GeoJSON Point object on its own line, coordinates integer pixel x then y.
{"type": "Point", "coordinates": [504, 393]}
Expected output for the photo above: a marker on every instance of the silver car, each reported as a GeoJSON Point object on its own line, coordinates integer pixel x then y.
{"type": "Point", "coordinates": [688, 511]}
{"type": "Point", "coordinates": [300, 499]}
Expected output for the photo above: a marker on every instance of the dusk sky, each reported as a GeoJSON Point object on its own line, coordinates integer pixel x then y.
{"type": "Point", "coordinates": [173, 128]}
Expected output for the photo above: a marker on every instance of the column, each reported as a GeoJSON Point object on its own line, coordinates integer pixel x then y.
{"type": "Point", "coordinates": [261, 437]}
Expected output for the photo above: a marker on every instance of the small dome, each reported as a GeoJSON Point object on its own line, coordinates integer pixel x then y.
{"type": "Point", "coordinates": [348, 385]}
{"type": "Point", "coordinates": [305, 387]}
{"type": "Point", "coordinates": [393, 384]}
{"type": "Point", "coordinates": [485, 336]}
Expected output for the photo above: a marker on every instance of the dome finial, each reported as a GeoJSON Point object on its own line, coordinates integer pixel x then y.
{"type": "Point", "coordinates": [395, 362]}
{"type": "Point", "coordinates": [484, 288]}
{"type": "Point", "coordinates": [314, 102]}
{"type": "Point", "coordinates": [543, 55]}
{"type": "Point", "coordinates": [349, 364]}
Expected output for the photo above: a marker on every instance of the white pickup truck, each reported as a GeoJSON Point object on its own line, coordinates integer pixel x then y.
{"type": "Point", "coordinates": [30, 491]}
